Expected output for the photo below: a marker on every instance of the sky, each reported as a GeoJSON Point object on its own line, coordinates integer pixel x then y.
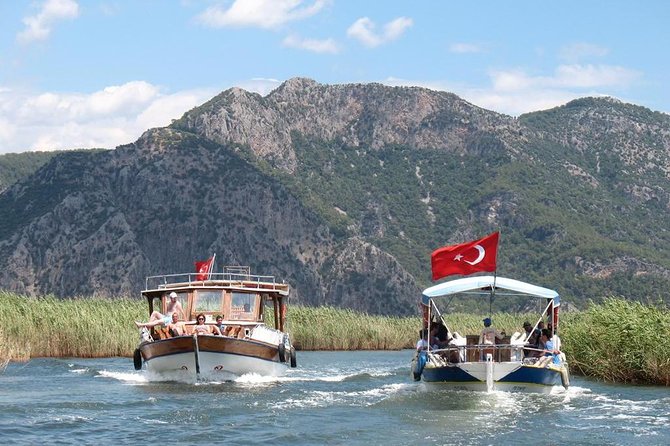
{"type": "Point", "coordinates": [98, 73]}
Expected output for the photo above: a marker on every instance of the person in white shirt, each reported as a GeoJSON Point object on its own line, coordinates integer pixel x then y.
{"type": "Point", "coordinates": [422, 344]}
{"type": "Point", "coordinates": [158, 318]}
{"type": "Point", "coordinates": [488, 338]}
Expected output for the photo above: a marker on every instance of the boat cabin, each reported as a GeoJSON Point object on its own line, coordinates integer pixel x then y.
{"type": "Point", "coordinates": [244, 300]}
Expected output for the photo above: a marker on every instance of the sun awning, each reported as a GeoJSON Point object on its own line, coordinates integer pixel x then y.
{"type": "Point", "coordinates": [485, 283]}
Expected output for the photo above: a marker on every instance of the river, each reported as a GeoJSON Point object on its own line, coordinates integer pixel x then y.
{"type": "Point", "coordinates": [348, 398]}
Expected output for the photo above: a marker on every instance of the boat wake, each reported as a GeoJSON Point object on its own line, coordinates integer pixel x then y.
{"type": "Point", "coordinates": [346, 398]}
{"type": "Point", "coordinates": [126, 377]}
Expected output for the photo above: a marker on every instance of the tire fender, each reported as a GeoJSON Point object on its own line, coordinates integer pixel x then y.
{"type": "Point", "coordinates": [137, 359]}
{"type": "Point", "coordinates": [294, 363]}
{"type": "Point", "coordinates": [282, 352]}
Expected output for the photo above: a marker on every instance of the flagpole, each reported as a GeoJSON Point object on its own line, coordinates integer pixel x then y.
{"type": "Point", "coordinates": [211, 267]}
{"type": "Point", "coordinates": [493, 291]}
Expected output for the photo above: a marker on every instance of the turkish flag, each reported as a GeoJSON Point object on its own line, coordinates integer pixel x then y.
{"type": "Point", "coordinates": [466, 258]}
{"type": "Point", "coordinates": [203, 268]}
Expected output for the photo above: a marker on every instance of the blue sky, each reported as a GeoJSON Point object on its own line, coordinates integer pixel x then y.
{"type": "Point", "coordinates": [97, 73]}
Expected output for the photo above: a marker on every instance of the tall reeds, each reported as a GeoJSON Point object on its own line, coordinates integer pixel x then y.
{"type": "Point", "coordinates": [617, 341]}
{"type": "Point", "coordinates": [47, 326]}
{"type": "Point", "coordinates": [620, 341]}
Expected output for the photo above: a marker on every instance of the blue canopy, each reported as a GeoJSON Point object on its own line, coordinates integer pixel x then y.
{"type": "Point", "coordinates": [485, 283]}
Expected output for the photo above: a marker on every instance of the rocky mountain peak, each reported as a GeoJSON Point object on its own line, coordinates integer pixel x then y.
{"type": "Point", "coordinates": [380, 177]}
{"type": "Point", "coordinates": [369, 116]}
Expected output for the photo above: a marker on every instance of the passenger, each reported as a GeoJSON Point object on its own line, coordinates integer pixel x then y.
{"type": "Point", "coordinates": [554, 338]}
{"type": "Point", "coordinates": [157, 318]}
{"type": "Point", "coordinates": [220, 325]}
{"type": "Point", "coordinates": [422, 343]}
{"type": "Point", "coordinates": [531, 340]}
{"type": "Point", "coordinates": [540, 342]}
{"type": "Point", "coordinates": [442, 339]}
{"type": "Point", "coordinates": [550, 354]}
{"type": "Point", "coordinates": [443, 336]}
{"type": "Point", "coordinates": [175, 327]}
{"type": "Point", "coordinates": [490, 334]}
{"type": "Point", "coordinates": [434, 340]}
{"type": "Point", "coordinates": [488, 338]}
{"type": "Point", "coordinates": [200, 328]}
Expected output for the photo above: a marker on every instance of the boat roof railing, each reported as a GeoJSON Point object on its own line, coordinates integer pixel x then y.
{"type": "Point", "coordinates": [231, 277]}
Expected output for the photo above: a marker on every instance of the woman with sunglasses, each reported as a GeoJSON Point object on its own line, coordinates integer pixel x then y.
{"type": "Point", "coordinates": [200, 328]}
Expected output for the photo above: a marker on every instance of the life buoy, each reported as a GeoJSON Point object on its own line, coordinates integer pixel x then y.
{"type": "Point", "coordinates": [282, 352]}
{"type": "Point", "coordinates": [294, 363]}
{"type": "Point", "coordinates": [137, 359]}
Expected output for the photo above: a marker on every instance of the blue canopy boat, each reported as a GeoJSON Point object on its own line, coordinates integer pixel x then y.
{"type": "Point", "coordinates": [510, 365]}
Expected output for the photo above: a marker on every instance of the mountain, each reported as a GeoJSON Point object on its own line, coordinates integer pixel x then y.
{"type": "Point", "coordinates": [14, 166]}
{"type": "Point", "coordinates": [344, 190]}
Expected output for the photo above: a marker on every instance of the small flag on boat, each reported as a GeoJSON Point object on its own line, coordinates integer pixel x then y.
{"type": "Point", "coordinates": [466, 258]}
{"type": "Point", "coordinates": [204, 268]}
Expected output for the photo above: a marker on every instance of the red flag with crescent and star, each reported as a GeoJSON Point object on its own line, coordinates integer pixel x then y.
{"type": "Point", "coordinates": [203, 268]}
{"type": "Point", "coordinates": [466, 258]}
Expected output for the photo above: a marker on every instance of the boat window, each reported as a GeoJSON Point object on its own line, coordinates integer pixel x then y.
{"type": "Point", "coordinates": [182, 298]}
{"type": "Point", "coordinates": [243, 306]}
{"type": "Point", "coordinates": [208, 301]}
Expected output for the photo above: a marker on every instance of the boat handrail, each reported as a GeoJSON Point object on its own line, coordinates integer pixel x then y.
{"type": "Point", "coordinates": [463, 350]}
{"type": "Point", "coordinates": [222, 279]}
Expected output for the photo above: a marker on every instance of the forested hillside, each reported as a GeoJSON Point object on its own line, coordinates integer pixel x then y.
{"type": "Point", "coordinates": [345, 190]}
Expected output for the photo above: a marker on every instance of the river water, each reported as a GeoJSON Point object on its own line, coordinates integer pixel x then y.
{"type": "Point", "coordinates": [349, 398]}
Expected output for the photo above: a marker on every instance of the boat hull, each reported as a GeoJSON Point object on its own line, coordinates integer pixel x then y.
{"type": "Point", "coordinates": [212, 356]}
{"type": "Point", "coordinates": [505, 376]}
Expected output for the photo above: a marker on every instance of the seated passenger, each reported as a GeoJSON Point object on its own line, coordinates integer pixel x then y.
{"type": "Point", "coordinates": [532, 337]}
{"type": "Point", "coordinates": [175, 327]}
{"type": "Point", "coordinates": [550, 354]}
{"type": "Point", "coordinates": [200, 328]}
{"type": "Point", "coordinates": [219, 324]}
{"type": "Point", "coordinates": [440, 336]}
{"type": "Point", "coordinates": [554, 336]}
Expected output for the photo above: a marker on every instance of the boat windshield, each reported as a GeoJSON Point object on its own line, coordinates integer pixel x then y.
{"type": "Point", "coordinates": [208, 301]}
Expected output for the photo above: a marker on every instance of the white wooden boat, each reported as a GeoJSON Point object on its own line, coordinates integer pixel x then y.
{"type": "Point", "coordinates": [510, 365]}
{"type": "Point", "coordinates": [247, 345]}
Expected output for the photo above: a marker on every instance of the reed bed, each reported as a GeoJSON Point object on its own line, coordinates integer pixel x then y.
{"type": "Point", "coordinates": [617, 341]}
{"type": "Point", "coordinates": [620, 341]}
{"type": "Point", "coordinates": [51, 327]}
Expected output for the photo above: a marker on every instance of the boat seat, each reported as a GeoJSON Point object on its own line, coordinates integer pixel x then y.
{"type": "Point", "coordinates": [162, 333]}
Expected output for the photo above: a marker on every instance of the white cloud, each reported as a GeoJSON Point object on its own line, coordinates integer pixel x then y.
{"type": "Point", "coordinates": [515, 91]}
{"type": "Point", "coordinates": [38, 27]}
{"type": "Point", "coordinates": [266, 14]}
{"type": "Point", "coordinates": [587, 76]}
{"type": "Point", "coordinates": [363, 30]}
{"type": "Point", "coordinates": [316, 46]}
{"type": "Point", "coordinates": [566, 76]}
{"type": "Point", "coordinates": [259, 85]}
{"type": "Point", "coordinates": [112, 116]}
{"type": "Point", "coordinates": [462, 48]}
{"type": "Point", "coordinates": [578, 51]}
